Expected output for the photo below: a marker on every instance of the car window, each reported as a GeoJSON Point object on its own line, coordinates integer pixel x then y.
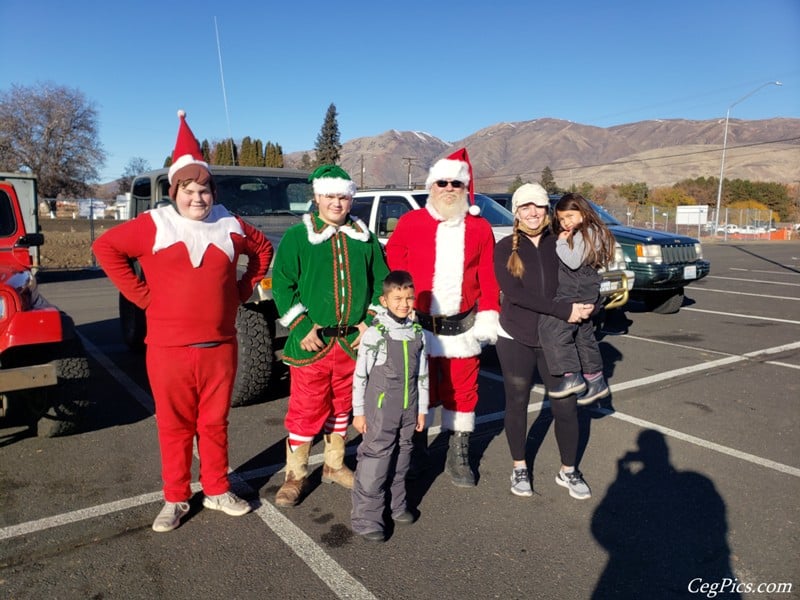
{"type": "Point", "coordinates": [362, 207]}
{"type": "Point", "coordinates": [390, 209]}
{"type": "Point", "coordinates": [493, 212]}
{"type": "Point", "coordinates": [8, 224]}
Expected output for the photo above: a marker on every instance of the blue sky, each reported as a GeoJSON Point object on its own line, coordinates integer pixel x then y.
{"type": "Point", "coordinates": [446, 68]}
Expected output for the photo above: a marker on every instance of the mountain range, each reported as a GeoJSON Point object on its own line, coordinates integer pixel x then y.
{"type": "Point", "coordinates": [656, 152]}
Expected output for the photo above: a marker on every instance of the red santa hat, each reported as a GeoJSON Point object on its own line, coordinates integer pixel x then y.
{"type": "Point", "coordinates": [455, 167]}
{"type": "Point", "coordinates": [187, 158]}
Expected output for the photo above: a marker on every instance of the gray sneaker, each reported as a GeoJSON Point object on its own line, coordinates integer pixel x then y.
{"type": "Point", "coordinates": [520, 483]}
{"type": "Point", "coordinates": [229, 503]}
{"type": "Point", "coordinates": [575, 484]}
{"type": "Point", "coordinates": [170, 516]}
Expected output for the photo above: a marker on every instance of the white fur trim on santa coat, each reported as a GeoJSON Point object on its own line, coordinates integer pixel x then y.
{"type": "Point", "coordinates": [329, 231]}
{"type": "Point", "coordinates": [457, 421]}
{"type": "Point", "coordinates": [291, 314]}
{"type": "Point", "coordinates": [485, 328]}
{"type": "Point", "coordinates": [214, 230]}
{"type": "Point", "coordinates": [448, 277]}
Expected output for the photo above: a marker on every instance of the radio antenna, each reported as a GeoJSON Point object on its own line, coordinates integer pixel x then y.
{"type": "Point", "coordinates": [224, 95]}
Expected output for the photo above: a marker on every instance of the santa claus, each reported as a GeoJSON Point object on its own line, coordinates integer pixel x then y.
{"type": "Point", "coordinates": [449, 251]}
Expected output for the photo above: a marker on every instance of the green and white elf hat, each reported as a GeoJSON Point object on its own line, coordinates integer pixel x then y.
{"type": "Point", "coordinates": [332, 179]}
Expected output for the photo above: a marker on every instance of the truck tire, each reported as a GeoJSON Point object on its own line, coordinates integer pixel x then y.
{"type": "Point", "coordinates": [255, 356]}
{"type": "Point", "coordinates": [664, 303]}
{"type": "Point", "coordinates": [60, 408]}
{"type": "Point", "coordinates": [132, 324]}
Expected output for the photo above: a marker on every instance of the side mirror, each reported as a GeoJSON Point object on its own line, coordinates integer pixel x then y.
{"type": "Point", "coordinates": [31, 239]}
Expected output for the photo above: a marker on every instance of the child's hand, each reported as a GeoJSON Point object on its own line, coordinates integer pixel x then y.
{"type": "Point", "coordinates": [564, 235]}
{"type": "Point", "coordinates": [362, 327]}
{"type": "Point", "coordinates": [360, 424]}
{"type": "Point", "coordinates": [420, 423]}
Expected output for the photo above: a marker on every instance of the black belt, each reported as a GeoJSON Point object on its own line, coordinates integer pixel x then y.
{"type": "Point", "coordinates": [442, 325]}
{"type": "Point", "coordinates": [340, 331]}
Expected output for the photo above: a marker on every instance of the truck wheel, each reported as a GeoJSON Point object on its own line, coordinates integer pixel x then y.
{"type": "Point", "coordinates": [132, 323]}
{"type": "Point", "coordinates": [664, 303]}
{"type": "Point", "coordinates": [60, 408]}
{"type": "Point", "coordinates": [255, 356]}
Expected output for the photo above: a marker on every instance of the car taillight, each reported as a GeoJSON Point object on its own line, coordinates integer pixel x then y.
{"type": "Point", "coordinates": [7, 305]}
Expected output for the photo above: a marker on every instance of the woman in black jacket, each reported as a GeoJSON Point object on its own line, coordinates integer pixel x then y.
{"type": "Point", "coordinates": [526, 266]}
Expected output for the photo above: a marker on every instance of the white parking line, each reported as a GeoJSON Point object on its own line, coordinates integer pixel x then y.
{"type": "Point", "coordinates": [741, 316]}
{"type": "Point", "coordinates": [328, 570]}
{"type": "Point", "coordinates": [754, 280]}
{"type": "Point", "coordinates": [784, 272]}
{"type": "Point", "coordinates": [705, 289]}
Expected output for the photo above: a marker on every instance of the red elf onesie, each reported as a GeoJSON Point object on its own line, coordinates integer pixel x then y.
{"type": "Point", "coordinates": [457, 296]}
{"type": "Point", "coordinates": [190, 296]}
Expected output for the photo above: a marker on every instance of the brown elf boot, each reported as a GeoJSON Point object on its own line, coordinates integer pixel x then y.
{"type": "Point", "coordinates": [296, 473]}
{"type": "Point", "coordinates": [334, 471]}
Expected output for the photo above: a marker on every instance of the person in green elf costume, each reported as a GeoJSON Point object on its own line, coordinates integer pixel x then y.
{"type": "Point", "coordinates": [326, 281]}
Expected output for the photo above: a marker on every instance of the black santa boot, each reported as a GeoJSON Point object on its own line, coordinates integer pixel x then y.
{"type": "Point", "coordinates": [457, 465]}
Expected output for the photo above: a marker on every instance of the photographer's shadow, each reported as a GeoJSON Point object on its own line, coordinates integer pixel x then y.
{"type": "Point", "coordinates": [663, 529]}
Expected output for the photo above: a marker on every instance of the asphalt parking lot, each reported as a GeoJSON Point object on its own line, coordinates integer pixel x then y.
{"type": "Point", "coordinates": [694, 465]}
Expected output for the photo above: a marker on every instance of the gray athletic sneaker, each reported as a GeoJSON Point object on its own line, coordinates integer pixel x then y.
{"type": "Point", "coordinates": [575, 484]}
{"type": "Point", "coordinates": [229, 503]}
{"type": "Point", "coordinates": [170, 516]}
{"type": "Point", "coordinates": [520, 483]}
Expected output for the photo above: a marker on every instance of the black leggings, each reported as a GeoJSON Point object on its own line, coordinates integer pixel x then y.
{"type": "Point", "coordinates": [520, 364]}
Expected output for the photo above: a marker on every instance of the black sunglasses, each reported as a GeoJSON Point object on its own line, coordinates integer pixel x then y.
{"type": "Point", "coordinates": [443, 184]}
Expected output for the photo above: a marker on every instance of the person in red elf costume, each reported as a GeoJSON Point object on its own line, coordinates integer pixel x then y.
{"type": "Point", "coordinates": [188, 252]}
{"type": "Point", "coordinates": [449, 251]}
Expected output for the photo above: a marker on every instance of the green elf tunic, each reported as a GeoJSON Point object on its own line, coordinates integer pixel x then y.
{"type": "Point", "coordinates": [328, 276]}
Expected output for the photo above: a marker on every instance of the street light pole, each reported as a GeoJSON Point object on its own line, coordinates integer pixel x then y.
{"type": "Point", "coordinates": [725, 146]}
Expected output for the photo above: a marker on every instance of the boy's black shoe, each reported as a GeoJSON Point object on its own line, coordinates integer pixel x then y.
{"type": "Point", "coordinates": [373, 536]}
{"type": "Point", "coordinates": [404, 518]}
{"type": "Point", "coordinates": [569, 384]}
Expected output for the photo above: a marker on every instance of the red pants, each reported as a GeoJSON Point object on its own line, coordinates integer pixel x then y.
{"type": "Point", "coordinates": [318, 390]}
{"type": "Point", "coordinates": [454, 383]}
{"type": "Point", "coordinates": [192, 390]}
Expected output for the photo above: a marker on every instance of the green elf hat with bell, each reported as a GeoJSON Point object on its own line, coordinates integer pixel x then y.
{"type": "Point", "coordinates": [332, 179]}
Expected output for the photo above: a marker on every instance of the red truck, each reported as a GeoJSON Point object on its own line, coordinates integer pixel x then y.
{"type": "Point", "coordinates": [44, 372]}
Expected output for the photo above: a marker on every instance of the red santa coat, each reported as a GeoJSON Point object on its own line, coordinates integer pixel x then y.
{"type": "Point", "coordinates": [452, 264]}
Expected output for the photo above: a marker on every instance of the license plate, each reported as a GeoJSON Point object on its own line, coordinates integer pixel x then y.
{"type": "Point", "coordinates": [690, 272]}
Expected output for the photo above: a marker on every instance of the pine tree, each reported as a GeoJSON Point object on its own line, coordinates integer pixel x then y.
{"type": "Point", "coordinates": [328, 145]}
{"type": "Point", "coordinates": [515, 184]}
{"type": "Point", "coordinates": [549, 182]}
{"type": "Point", "coordinates": [205, 148]}
{"type": "Point", "coordinates": [305, 162]}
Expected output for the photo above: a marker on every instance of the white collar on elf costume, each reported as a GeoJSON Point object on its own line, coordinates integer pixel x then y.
{"type": "Point", "coordinates": [215, 229]}
{"type": "Point", "coordinates": [327, 231]}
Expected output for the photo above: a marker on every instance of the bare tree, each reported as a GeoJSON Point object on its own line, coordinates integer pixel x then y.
{"type": "Point", "coordinates": [135, 166]}
{"type": "Point", "coordinates": [52, 132]}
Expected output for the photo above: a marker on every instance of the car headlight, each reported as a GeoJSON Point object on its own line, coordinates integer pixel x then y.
{"type": "Point", "coordinates": [618, 263]}
{"type": "Point", "coordinates": [698, 248]}
{"type": "Point", "coordinates": [648, 253]}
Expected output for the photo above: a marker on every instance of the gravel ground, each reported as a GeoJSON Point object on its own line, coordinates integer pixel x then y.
{"type": "Point", "coordinates": [67, 242]}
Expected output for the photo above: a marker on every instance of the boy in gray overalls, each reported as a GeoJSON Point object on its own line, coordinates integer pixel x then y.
{"type": "Point", "coordinates": [390, 401]}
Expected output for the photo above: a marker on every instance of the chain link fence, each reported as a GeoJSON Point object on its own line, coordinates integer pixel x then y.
{"type": "Point", "coordinates": [733, 223]}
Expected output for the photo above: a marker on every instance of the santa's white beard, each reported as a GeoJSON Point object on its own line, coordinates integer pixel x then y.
{"type": "Point", "coordinates": [449, 211]}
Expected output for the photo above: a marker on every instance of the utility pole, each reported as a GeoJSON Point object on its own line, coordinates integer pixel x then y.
{"type": "Point", "coordinates": [362, 172]}
{"type": "Point", "coordinates": [409, 159]}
